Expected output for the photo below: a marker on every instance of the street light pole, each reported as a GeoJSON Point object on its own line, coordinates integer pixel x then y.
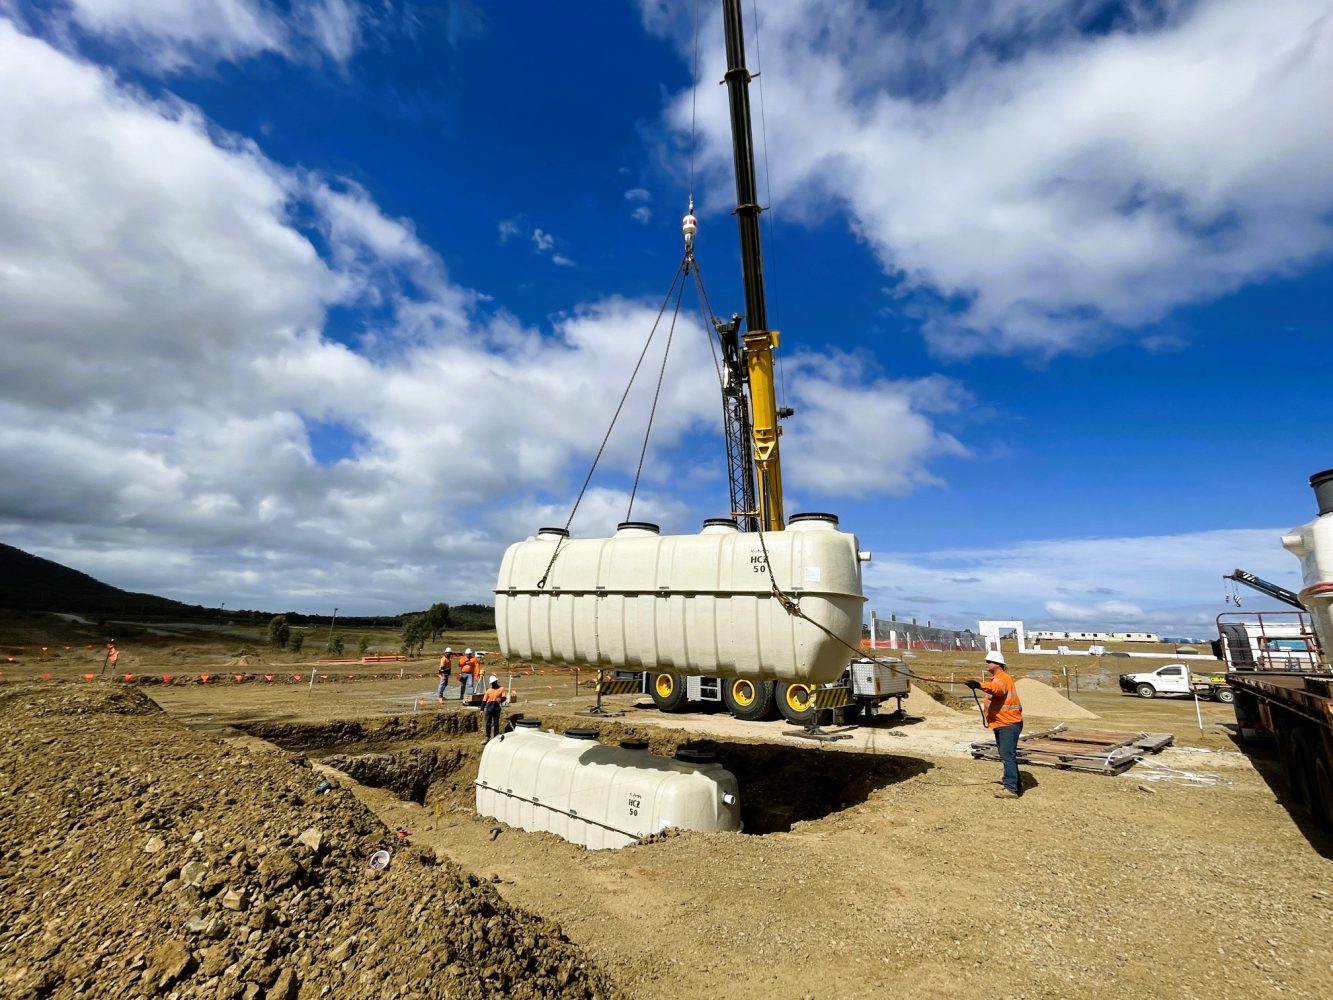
{"type": "Point", "coordinates": [331, 621]}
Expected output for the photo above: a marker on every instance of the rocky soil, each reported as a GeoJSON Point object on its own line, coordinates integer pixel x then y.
{"type": "Point", "coordinates": [140, 859]}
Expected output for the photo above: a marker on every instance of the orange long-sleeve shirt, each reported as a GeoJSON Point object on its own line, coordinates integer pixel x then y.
{"type": "Point", "coordinates": [1003, 708]}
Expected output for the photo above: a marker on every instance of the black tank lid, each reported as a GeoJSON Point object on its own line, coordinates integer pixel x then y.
{"type": "Point", "coordinates": [562, 532]}
{"type": "Point", "coordinates": [726, 522]}
{"type": "Point", "coordinates": [582, 734]}
{"type": "Point", "coordinates": [813, 515]}
{"type": "Point", "coordinates": [692, 756]}
{"type": "Point", "coordinates": [1322, 483]}
{"type": "Point", "coordinates": [640, 525]}
{"type": "Point", "coordinates": [528, 723]}
{"type": "Point", "coordinates": [634, 744]}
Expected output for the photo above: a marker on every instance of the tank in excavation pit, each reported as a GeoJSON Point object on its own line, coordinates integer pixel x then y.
{"type": "Point", "coordinates": [691, 604]}
{"type": "Point", "coordinates": [601, 796]}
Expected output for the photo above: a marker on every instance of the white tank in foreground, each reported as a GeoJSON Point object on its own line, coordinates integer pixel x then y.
{"type": "Point", "coordinates": [600, 796]}
{"type": "Point", "coordinates": [1312, 544]}
{"type": "Point", "coordinates": [692, 604]}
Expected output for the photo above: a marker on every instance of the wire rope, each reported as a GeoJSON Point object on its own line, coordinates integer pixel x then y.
{"type": "Point", "coordinates": [657, 395]}
{"type": "Point", "coordinates": [694, 98]}
{"type": "Point", "coordinates": [680, 270]}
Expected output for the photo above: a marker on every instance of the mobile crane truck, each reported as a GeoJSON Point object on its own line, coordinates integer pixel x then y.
{"type": "Point", "coordinates": [751, 421]}
{"type": "Point", "coordinates": [1286, 694]}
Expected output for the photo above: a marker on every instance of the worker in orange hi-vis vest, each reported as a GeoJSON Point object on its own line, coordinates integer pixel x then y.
{"type": "Point", "coordinates": [469, 673]}
{"type": "Point", "coordinates": [491, 703]}
{"type": "Point", "coordinates": [1004, 715]}
{"type": "Point", "coordinates": [446, 664]}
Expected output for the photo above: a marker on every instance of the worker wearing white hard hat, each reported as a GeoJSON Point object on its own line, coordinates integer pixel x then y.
{"type": "Point", "coordinates": [1004, 716]}
{"type": "Point", "coordinates": [469, 674]}
{"type": "Point", "coordinates": [491, 702]}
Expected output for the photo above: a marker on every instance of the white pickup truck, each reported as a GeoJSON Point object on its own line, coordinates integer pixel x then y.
{"type": "Point", "coordinates": [1176, 678]}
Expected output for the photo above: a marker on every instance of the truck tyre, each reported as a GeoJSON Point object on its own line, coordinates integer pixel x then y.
{"type": "Point", "coordinates": [1305, 752]}
{"type": "Point", "coordinates": [1225, 695]}
{"type": "Point", "coordinates": [668, 691]}
{"type": "Point", "coordinates": [1291, 765]}
{"type": "Point", "coordinates": [1321, 793]}
{"type": "Point", "coordinates": [1146, 691]}
{"type": "Point", "coordinates": [796, 703]}
{"type": "Point", "coordinates": [748, 700]}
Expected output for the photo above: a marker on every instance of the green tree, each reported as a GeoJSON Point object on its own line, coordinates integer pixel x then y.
{"type": "Point", "coordinates": [279, 632]}
{"type": "Point", "coordinates": [335, 645]}
{"type": "Point", "coordinates": [414, 634]}
{"type": "Point", "coordinates": [362, 645]}
{"type": "Point", "coordinates": [296, 642]}
{"type": "Point", "coordinates": [435, 621]}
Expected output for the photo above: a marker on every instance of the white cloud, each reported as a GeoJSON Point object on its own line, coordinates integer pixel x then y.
{"type": "Point", "coordinates": [560, 260]}
{"type": "Point", "coordinates": [1078, 185]}
{"type": "Point", "coordinates": [543, 241]}
{"type": "Point", "coordinates": [334, 25]}
{"type": "Point", "coordinates": [169, 372]}
{"type": "Point", "coordinates": [828, 446]}
{"type": "Point", "coordinates": [1145, 582]}
{"type": "Point", "coordinates": [637, 194]}
{"type": "Point", "coordinates": [174, 35]}
{"type": "Point", "coordinates": [642, 215]}
{"type": "Point", "coordinates": [1102, 611]}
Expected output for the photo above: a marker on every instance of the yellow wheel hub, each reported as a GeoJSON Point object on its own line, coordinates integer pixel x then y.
{"type": "Point", "coordinates": [743, 693]}
{"type": "Point", "coordinates": [798, 697]}
{"type": "Point", "coordinates": [664, 685]}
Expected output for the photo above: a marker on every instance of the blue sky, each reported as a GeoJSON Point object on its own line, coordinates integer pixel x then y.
{"type": "Point", "coordinates": [318, 303]}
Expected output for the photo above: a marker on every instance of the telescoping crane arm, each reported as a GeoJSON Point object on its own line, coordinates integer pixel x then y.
{"type": "Point", "coordinates": [1264, 587]}
{"type": "Point", "coordinates": [758, 341]}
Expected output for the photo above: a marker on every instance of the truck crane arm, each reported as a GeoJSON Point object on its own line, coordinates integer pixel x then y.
{"type": "Point", "coordinates": [1264, 587]}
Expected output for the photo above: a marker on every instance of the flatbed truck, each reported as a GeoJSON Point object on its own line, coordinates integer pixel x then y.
{"type": "Point", "coordinates": [1289, 698]}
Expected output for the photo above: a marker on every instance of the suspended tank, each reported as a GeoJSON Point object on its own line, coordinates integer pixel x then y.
{"type": "Point", "coordinates": [692, 604]}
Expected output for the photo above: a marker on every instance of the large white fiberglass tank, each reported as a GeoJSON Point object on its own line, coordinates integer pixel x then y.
{"type": "Point", "coordinates": [693, 604]}
{"type": "Point", "coordinates": [1312, 544]}
{"type": "Point", "coordinates": [601, 796]}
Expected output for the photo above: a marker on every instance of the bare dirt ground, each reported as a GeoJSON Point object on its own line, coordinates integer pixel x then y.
{"type": "Point", "coordinates": [879, 864]}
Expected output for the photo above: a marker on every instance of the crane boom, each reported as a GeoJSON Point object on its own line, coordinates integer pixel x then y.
{"type": "Point", "coordinates": [759, 341]}
{"type": "Point", "coordinates": [1264, 587]}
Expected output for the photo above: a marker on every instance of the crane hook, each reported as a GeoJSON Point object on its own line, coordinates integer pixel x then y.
{"type": "Point", "coordinates": [689, 226]}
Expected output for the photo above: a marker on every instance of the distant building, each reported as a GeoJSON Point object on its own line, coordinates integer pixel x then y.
{"type": "Point", "coordinates": [1051, 635]}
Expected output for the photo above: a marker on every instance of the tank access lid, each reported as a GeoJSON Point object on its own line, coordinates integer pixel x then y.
{"type": "Point", "coordinates": [814, 517]}
{"type": "Point", "coordinates": [691, 756]}
{"type": "Point", "coordinates": [1322, 484]}
{"type": "Point", "coordinates": [637, 528]}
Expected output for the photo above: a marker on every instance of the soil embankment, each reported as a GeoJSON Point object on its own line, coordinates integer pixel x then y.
{"type": "Point", "coordinates": [143, 859]}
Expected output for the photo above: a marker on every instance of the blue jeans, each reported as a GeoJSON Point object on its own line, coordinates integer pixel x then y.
{"type": "Point", "coordinates": [464, 686]}
{"type": "Point", "coordinates": [439, 688]}
{"type": "Point", "coordinates": [1006, 741]}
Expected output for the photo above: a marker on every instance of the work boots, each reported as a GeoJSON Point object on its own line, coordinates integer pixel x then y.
{"type": "Point", "coordinates": [1004, 793]}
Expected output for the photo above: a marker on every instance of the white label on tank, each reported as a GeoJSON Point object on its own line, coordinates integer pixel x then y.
{"type": "Point", "coordinates": [812, 574]}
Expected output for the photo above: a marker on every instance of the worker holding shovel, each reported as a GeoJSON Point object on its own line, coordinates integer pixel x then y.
{"type": "Point", "coordinates": [1004, 715]}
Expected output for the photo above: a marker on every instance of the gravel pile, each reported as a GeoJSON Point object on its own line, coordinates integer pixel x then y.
{"type": "Point", "coordinates": [1044, 701]}
{"type": "Point", "coordinates": [141, 859]}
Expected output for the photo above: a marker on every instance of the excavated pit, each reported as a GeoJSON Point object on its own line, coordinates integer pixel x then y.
{"type": "Point", "coordinates": [433, 761]}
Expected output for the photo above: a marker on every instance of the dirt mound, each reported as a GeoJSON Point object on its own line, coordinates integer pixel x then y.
{"type": "Point", "coordinates": [143, 859]}
{"type": "Point", "coordinates": [923, 702]}
{"type": "Point", "coordinates": [1044, 701]}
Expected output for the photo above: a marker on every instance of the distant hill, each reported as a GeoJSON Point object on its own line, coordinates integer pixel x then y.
{"type": "Point", "coordinates": [31, 583]}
